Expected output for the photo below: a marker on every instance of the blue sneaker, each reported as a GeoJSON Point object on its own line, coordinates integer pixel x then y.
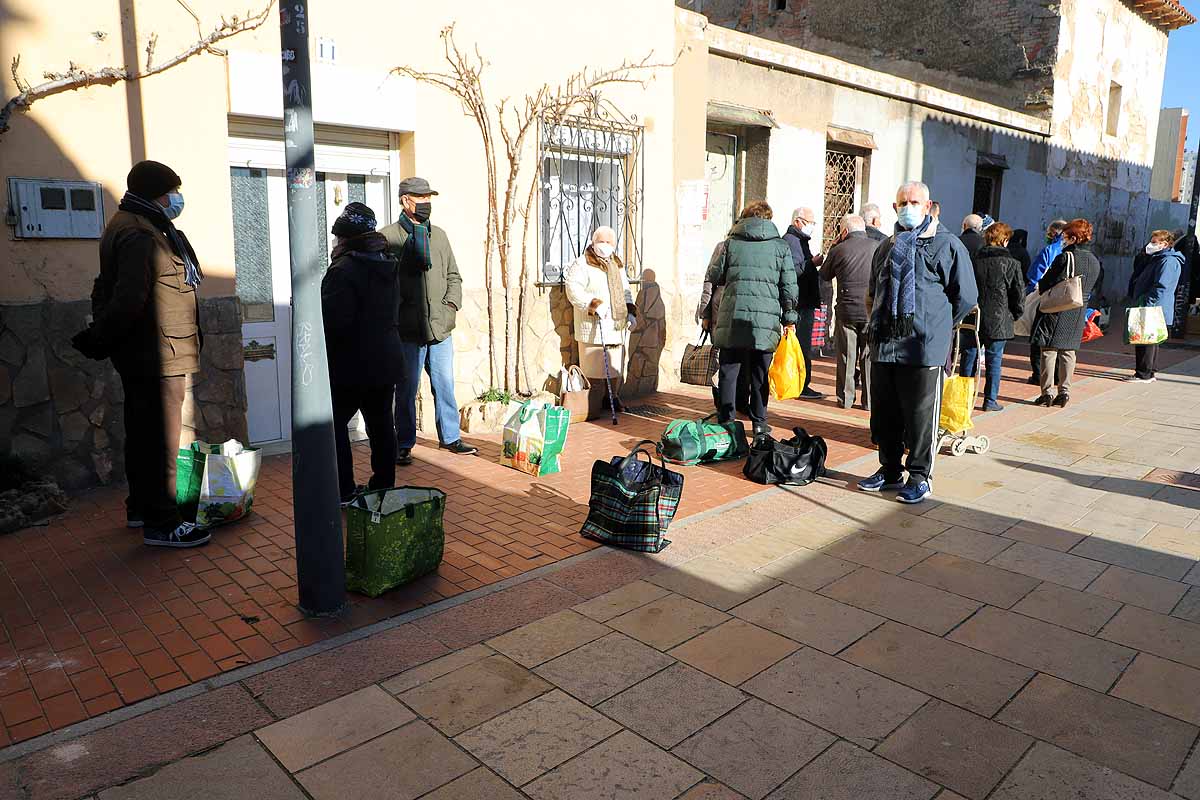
{"type": "Point", "coordinates": [878, 482]}
{"type": "Point", "coordinates": [915, 492]}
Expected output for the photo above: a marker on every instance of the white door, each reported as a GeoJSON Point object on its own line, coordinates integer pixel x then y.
{"type": "Point", "coordinates": [261, 260]}
{"type": "Point", "coordinates": [721, 170]}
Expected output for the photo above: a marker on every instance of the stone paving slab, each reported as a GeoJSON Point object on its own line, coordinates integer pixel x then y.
{"type": "Point", "coordinates": [1162, 685]}
{"type": "Point", "coordinates": [620, 601]}
{"type": "Point", "coordinates": [1138, 589]}
{"type": "Point", "coordinates": [1107, 730]}
{"type": "Point", "coordinates": [1079, 611]}
{"type": "Point", "coordinates": [625, 761]}
{"type": "Point", "coordinates": [734, 651]}
{"type": "Point", "coordinates": [960, 675]}
{"type": "Point", "coordinates": [473, 694]}
{"type": "Point", "coordinates": [1048, 565]}
{"type": "Point", "coordinates": [548, 638]}
{"type": "Point", "coordinates": [1161, 635]}
{"type": "Point", "coordinates": [603, 668]}
{"type": "Point", "coordinates": [672, 705]}
{"type": "Point", "coordinates": [808, 618]}
{"type": "Point", "coordinates": [906, 601]}
{"type": "Point", "coordinates": [987, 584]}
{"type": "Point", "coordinates": [1050, 773]}
{"type": "Point", "coordinates": [668, 621]}
{"type": "Point", "coordinates": [846, 772]}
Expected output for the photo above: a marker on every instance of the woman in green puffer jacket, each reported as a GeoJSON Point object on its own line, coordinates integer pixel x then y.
{"type": "Point", "coordinates": [759, 300]}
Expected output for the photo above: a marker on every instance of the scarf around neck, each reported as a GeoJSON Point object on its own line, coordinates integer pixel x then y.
{"type": "Point", "coordinates": [612, 270]}
{"type": "Point", "coordinates": [135, 204]}
{"type": "Point", "coordinates": [372, 242]}
{"type": "Point", "coordinates": [415, 253]}
{"type": "Point", "coordinates": [900, 300]}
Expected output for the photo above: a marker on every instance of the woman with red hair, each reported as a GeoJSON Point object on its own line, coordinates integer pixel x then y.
{"type": "Point", "coordinates": [1059, 334]}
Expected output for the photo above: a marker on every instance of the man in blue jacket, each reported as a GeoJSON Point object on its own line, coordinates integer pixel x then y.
{"type": "Point", "coordinates": [922, 285]}
{"type": "Point", "coordinates": [1037, 269]}
{"type": "Point", "coordinates": [1154, 285]}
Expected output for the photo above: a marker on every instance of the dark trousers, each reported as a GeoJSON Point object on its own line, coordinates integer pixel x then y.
{"type": "Point", "coordinates": [375, 403]}
{"type": "Point", "coordinates": [153, 423]}
{"type": "Point", "coordinates": [804, 332]}
{"type": "Point", "coordinates": [906, 402]}
{"type": "Point", "coordinates": [755, 364]}
{"type": "Point", "coordinates": [1145, 357]}
{"type": "Point", "coordinates": [993, 356]}
{"type": "Point", "coordinates": [1035, 360]}
{"type": "Point", "coordinates": [743, 393]}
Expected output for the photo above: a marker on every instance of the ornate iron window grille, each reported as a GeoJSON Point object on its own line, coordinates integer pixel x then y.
{"type": "Point", "coordinates": [842, 179]}
{"type": "Point", "coordinates": [591, 176]}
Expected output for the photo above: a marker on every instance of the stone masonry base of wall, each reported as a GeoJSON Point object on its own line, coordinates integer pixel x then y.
{"type": "Point", "coordinates": [62, 412]}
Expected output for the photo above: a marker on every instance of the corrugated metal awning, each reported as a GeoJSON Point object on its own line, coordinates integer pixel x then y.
{"type": "Point", "coordinates": [731, 114]}
{"type": "Point", "coordinates": [851, 137]}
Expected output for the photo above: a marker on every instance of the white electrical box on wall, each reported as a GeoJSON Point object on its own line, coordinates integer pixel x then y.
{"type": "Point", "coordinates": [53, 209]}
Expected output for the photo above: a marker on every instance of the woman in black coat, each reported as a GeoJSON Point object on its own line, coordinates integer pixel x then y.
{"type": "Point", "coordinates": [1001, 283]}
{"type": "Point", "coordinates": [360, 301]}
{"type": "Point", "coordinates": [1059, 334]}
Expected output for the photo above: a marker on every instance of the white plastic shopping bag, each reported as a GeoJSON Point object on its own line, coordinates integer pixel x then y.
{"type": "Point", "coordinates": [227, 488]}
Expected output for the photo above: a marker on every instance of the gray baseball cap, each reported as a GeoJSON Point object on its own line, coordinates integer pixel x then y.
{"type": "Point", "coordinates": [418, 186]}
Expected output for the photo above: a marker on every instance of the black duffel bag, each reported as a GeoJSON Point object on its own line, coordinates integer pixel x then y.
{"type": "Point", "coordinates": [796, 461]}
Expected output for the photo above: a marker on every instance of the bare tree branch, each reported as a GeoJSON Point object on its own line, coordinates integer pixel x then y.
{"type": "Point", "coordinates": [77, 78]}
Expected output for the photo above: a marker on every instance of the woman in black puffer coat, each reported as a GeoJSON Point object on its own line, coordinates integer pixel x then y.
{"type": "Point", "coordinates": [1059, 334]}
{"type": "Point", "coordinates": [1001, 301]}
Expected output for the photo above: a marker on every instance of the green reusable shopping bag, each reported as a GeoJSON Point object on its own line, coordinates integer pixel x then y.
{"type": "Point", "coordinates": [189, 474]}
{"type": "Point", "coordinates": [393, 537]}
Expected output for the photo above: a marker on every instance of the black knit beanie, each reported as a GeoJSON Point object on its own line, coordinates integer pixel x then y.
{"type": "Point", "coordinates": [150, 179]}
{"type": "Point", "coordinates": [355, 220]}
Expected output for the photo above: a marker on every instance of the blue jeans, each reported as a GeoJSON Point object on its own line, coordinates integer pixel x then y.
{"type": "Point", "coordinates": [993, 355]}
{"type": "Point", "coordinates": [437, 359]}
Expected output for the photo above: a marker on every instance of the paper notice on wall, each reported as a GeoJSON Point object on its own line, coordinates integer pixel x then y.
{"type": "Point", "coordinates": [692, 199]}
{"type": "Point", "coordinates": [693, 202]}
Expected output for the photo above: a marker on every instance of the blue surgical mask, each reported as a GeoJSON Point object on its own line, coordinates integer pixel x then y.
{"type": "Point", "coordinates": [910, 216]}
{"type": "Point", "coordinates": [174, 205]}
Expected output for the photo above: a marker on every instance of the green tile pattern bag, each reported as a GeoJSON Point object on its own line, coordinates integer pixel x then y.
{"type": "Point", "coordinates": [393, 537]}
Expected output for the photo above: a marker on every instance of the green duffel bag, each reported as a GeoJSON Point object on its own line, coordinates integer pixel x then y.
{"type": "Point", "coordinates": [393, 537]}
{"type": "Point", "coordinates": [702, 441]}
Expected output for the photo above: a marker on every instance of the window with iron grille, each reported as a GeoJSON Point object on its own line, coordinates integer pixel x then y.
{"type": "Point", "coordinates": [591, 177]}
{"type": "Point", "coordinates": [846, 175]}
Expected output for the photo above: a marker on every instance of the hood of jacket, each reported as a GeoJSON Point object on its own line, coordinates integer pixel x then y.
{"type": "Point", "coordinates": [992, 251]}
{"type": "Point", "coordinates": [754, 229]}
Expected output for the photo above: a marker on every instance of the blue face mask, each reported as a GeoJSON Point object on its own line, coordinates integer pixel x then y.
{"type": "Point", "coordinates": [910, 216]}
{"type": "Point", "coordinates": [174, 205]}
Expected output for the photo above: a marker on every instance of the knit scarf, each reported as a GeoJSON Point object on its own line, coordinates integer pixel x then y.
{"type": "Point", "coordinates": [415, 253]}
{"type": "Point", "coordinates": [612, 270]}
{"type": "Point", "coordinates": [134, 204]}
{"type": "Point", "coordinates": [900, 299]}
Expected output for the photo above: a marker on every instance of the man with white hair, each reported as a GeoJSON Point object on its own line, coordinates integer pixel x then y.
{"type": "Point", "coordinates": [922, 285]}
{"type": "Point", "coordinates": [849, 263]}
{"type": "Point", "coordinates": [798, 239]}
{"type": "Point", "coordinates": [972, 234]}
{"type": "Point", "coordinates": [873, 218]}
{"type": "Point", "coordinates": [598, 289]}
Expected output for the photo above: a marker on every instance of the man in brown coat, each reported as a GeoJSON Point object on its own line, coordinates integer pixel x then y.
{"type": "Point", "coordinates": [145, 319]}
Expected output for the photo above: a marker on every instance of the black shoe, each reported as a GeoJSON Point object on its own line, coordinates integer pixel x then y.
{"type": "Point", "coordinates": [186, 534]}
{"type": "Point", "coordinates": [1062, 399]}
{"type": "Point", "coordinates": [762, 429]}
{"type": "Point", "coordinates": [460, 448]}
{"type": "Point", "coordinates": [404, 456]}
{"type": "Point", "coordinates": [1034, 380]}
{"type": "Point", "coordinates": [347, 499]}
{"type": "Point", "coordinates": [811, 394]}
{"type": "Point", "coordinates": [1045, 400]}
{"type": "Point", "coordinates": [134, 520]}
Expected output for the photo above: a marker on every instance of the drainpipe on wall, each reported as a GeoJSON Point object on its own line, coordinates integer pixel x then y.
{"type": "Point", "coordinates": [320, 568]}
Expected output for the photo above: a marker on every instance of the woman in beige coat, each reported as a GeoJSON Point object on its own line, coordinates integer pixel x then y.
{"type": "Point", "coordinates": [598, 289]}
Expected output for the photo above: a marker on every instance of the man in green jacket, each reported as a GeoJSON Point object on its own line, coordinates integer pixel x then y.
{"type": "Point", "coordinates": [430, 296]}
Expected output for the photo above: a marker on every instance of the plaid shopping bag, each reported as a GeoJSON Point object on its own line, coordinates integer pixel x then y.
{"type": "Point", "coordinates": [820, 326]}
{"type": "Point", "coordinates": [632, 501]}
{"type": "Point", "coordinates": [700, 363]}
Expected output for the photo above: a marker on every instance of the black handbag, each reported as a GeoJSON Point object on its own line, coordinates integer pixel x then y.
{"type": "Point", "coordinates": [797, 461]}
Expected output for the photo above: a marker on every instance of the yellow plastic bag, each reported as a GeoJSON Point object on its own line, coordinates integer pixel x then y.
{"type": "Point", "coordinates": [787, 368]}
{"type": "Point", "coordinates": [958, 398]}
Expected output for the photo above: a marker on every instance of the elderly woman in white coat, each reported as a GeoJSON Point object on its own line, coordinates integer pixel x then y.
{"type": "Point", "coordinates": [597, 287]}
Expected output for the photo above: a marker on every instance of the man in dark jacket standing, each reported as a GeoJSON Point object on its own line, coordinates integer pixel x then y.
{"type": "Point", "coordinates": [849, 263]}
{"type": "Point", "coordinates": [145, 319]}
{"type": "Point", "coordinates": [922, 285]}
{"type": "Point", "coordinates": [874, 219]}
{"type": "Point", "coordinates": [430, 296]}
{"type": "Point", "coordinates": [798, 238]}
{"type": "Point", "coordinates": [972, 234]}
{"type": "Point", "coordinates": [360, 302]}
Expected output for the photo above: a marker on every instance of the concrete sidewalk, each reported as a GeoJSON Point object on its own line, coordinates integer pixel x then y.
{"type": "Point", "coordinates": [1032, 633]}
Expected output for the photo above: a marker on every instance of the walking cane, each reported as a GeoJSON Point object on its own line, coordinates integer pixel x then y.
{"type": "Point", "coordinates": [612, 403]}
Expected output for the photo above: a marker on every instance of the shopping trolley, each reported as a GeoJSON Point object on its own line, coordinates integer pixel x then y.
{"type": "Point", "coordinates": [954, 424]}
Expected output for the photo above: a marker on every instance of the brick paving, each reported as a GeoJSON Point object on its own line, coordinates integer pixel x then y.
{"type": "Point", "coordinates": [809, 643]}
{"type": "Point", "coordinates": [93, 621]}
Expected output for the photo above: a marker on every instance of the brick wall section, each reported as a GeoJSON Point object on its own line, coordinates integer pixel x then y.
{"type": "Point", "coordinates": [1000, 51]}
